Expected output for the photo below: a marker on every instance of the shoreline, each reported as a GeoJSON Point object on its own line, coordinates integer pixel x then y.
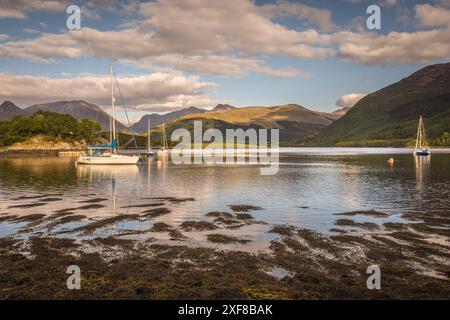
{"type": "Point", "coordinates": [159, 262]}
{"type": "Point", "coordinates": [55, 152]}
{"type": "Point", "coordinates": [34, 153]}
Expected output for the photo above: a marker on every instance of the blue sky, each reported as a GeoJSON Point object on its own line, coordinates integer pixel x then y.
{"type": "Point", "coordinates": [178, 53]}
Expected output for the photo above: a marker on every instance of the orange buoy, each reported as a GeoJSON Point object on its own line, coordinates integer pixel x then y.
{"type": "Point", "coordinates": [391, 162]}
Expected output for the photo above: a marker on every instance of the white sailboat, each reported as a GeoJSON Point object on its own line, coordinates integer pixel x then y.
{"type": "Point", "coordinates": [164, 146]}
{"type": "Point", "coordinates": [422, 148]}
{"type": "Point", "coordinates": [107, 154]}
{"type": "Point", "coordinates": [150, 152]}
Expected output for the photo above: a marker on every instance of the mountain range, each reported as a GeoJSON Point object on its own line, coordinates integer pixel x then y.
{"type": "Point", "coordinates": [158, 119]}
{"type": "Point", "coordinates": [77, 108]}
{"type": "Point", "coordinates": [335, 114]}
{"type": "Point", "coordinates": [9, 110]}
{"type": "Point", "coordinates": [390, 115]}
{"type": "Point", "coordinates": [292, 119]}
{"type": "Point", "coordinates": [296, 123]}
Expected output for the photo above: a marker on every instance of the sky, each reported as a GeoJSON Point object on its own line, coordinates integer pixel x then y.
{"type": "Point", "coordinates": [172, 54]}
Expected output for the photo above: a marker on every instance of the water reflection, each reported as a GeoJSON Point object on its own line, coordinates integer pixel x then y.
{"type": "Point", "coordinates": [307, 191]}
{"type": "Point", "coordinates": [38, 174]}
{"type": "Point", "coordinates": [423, 167]}
{"type": "Point", "coordinates": [111, 180]}
{"type": "Point", "coordinates": [107, 172]}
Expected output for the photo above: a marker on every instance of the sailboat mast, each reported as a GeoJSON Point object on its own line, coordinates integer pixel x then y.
{"type": "Point", "coordinates": [418, 134]}
{"type": "Point", "coordinates": [422, 148]}
{"type": "Point", "coordinates": [110, 128]}
{"type": "Point", "coordinates": [162, 136]}
{"type": "Point", "coordinates": [424, 135]}
{"type": "Point", "coordinates": [149, 143]}
{"type": "Point", "coordinates": [165, 146]}
{"type": "Point", "coordinates": [112, 109]}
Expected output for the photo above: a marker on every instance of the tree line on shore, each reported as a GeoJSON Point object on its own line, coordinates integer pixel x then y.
{"type": "Point", "coordinates": [55, 125]}
{"type": "Point", "coordinates": [65, 127]}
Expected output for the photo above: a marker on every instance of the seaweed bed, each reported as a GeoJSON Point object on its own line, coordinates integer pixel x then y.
{"type": "Point", "coordinates": [414, 257]}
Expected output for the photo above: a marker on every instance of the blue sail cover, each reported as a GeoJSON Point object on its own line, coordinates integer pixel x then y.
{"type": "Point", "coordinates": [104, 146]}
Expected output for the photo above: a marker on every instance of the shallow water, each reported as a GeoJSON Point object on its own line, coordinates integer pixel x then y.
{"type": "Point", "coordinates": [311, 186]}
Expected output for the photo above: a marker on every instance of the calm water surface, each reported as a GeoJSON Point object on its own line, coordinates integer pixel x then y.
{"type": "Point", "coordinates": [311, 186]}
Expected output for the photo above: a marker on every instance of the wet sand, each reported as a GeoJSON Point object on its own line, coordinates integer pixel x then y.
{"type": "Point", "coordinates": [134, 256]}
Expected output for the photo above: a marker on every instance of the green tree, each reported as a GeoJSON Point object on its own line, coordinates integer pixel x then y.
{"type": "Point", "coordinates": [89, 130]}
{"type": "Point", "coordinates": [58, 125]}
{"type": "Point", "coordinates": [61, 126]}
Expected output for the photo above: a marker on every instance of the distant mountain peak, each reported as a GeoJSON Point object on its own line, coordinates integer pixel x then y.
{"type": "Point", "coordinates": [9, 110]}
{"type": "Point", "coordinates": [8, 104]}
{"type": "Point", "coordinates": [223, 107]}
{"type": "Point", "coordinates": [389, 116]}
{"type": "Point", "coordinates": [433, 75]}
{"type": "Point", "coordinates": [158, 119]}
{"type": "Point", "coordinates": [79, 109]}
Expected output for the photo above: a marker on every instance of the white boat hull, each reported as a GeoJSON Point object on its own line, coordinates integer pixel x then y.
{"type": "Point", "coordinates": [112, 159]}
{"type": "Point", "coordinates": [162, 152]}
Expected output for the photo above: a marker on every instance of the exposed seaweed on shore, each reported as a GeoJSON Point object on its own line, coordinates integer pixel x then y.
{"type": "Point", "coordinates": [85, 207]}
{"type": "Point", "coordinates": [219, 214]}
{"type": "Point", "coordinates": [172, 199]}
{"type": "Point", "coordinates": [352, 223]}
{"type": "Point", "coordinates": [27, 205]}
{"type": "Point", "coordinates": [54, 199]}
{"type": "Point", "coordinates": [414, 257]}
{"type": "Point", "coordinates": [197, 225]}
{"type": "Point", "coordinates": [37, 196]}
{"type": "Point", "coordinates": [284, 230]}
{"type": "Point", "coordinates": [243, 208]}
{"type": "Point", "coordinates": [221, 238]}
{"type": "Point", "coordinates": [153, 213]}
{"type": "Point", "coordinates": [164, 227]}
{"type": "Point", "coordinates": [94, 200]}
{"type": "Point", "coordinates": [145, 205]}
{"type": "Point", "coordinates": [371, 213]}
{"type": "Point", "coordinates": [105, 222]}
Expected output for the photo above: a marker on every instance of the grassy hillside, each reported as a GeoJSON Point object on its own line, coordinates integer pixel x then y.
{"type": "Point", "coordinates": [185, 124]}
{"type": "Point", "coordinates": [389, 117]}
{"type": "Point", "coordinates": [158, 119]}
{"type": "Point", "coordinates": [265, 117]}
{"type": "Point", "coordinates": [295, 122]}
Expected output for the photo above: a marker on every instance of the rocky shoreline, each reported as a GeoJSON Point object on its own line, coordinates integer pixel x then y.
{"type": "Point", "coordinates": [41, 146]}
{"type": "Point", "coordinates": [161, 262]}
{"type": "Point", "coordinates": [31, 153]}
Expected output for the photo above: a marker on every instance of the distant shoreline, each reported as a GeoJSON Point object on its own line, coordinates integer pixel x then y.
{"type": "Point", "coordinates": [30, 153]}
{"type": "Point", "coordinates": [41, 153]}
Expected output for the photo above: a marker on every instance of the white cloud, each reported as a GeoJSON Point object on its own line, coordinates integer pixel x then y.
{"type": "Point", "coordinates": [214, 64]}
{"type": "Point", "coordinates": [395, 47]}
{"type": "Point", "coordinates": [389, 3]}
{"type": "Point", "coordinates": [11, 13]}
{"type": "Point", "coordinates": [18, 8]}
{"type": "Point", "coordinates": [235, 37]}
{"type": "Point", "coordinates": [31, 31]}
{"type": "Point", "coordinates": [314, 16]}
{"type": "Point", "coordinates": [350, 99]}
{"type": "Point", "coordinates": [203, 26]}
{"type": "Point", "coordinates": [193, 34]}
{"type": "Point", "coordinates": [170, 90]}
{"type": "Point", "coordinates": [430, 16]}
